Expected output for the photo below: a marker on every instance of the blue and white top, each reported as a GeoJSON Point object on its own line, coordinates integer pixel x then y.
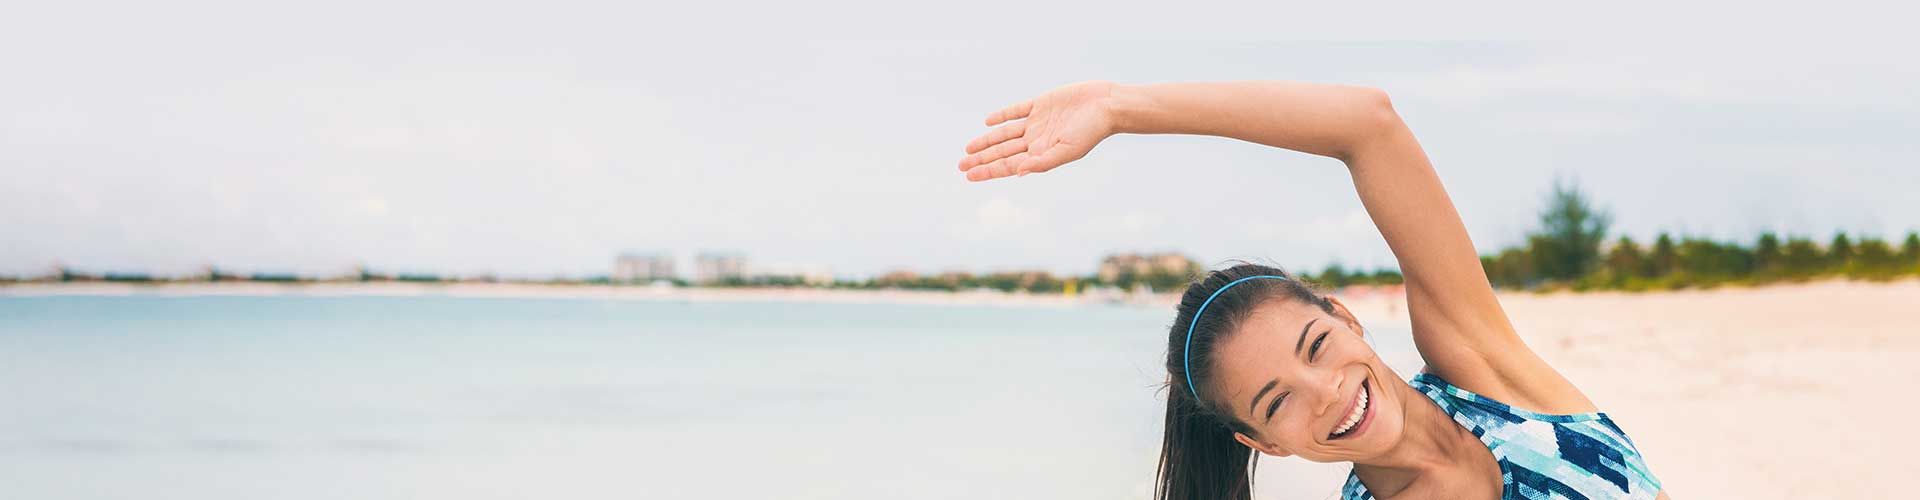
{"type": "Point", "coordinates": [1541, 456]}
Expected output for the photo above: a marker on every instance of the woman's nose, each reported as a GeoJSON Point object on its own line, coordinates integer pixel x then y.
{"type": "Point", "coordinates": [1329, 393]}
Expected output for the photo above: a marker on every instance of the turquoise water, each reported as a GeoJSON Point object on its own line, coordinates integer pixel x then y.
{"type": "Point", "coordinates": [471, 398]}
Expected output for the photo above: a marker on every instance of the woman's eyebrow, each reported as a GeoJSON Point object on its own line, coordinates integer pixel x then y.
{"type": "Point", "coordinates": [1303, 336]}
{"type": "Point", "coordinates": [1263, 392]}
{"type": "Point", "coordinates": [1270, 383]}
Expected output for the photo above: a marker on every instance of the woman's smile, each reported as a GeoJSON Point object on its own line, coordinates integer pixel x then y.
{"type": "Point", "coordinates": [1359, 412]}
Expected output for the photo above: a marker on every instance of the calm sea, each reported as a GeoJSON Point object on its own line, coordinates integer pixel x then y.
{"type": "Point", "coordinates": [212, 398]}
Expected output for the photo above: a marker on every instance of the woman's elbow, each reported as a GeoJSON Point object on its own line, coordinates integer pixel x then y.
{"type": "Point", "coordinates": [1375, 120]}
{"type": "Point", "coordinates": [1376, 108]}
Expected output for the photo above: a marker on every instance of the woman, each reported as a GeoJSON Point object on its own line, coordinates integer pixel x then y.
{"type": "Point", "coordinates": [1258, 361]}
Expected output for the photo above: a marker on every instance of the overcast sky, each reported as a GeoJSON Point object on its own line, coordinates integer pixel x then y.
{"type": "Point", "coordinates": [460, 139]}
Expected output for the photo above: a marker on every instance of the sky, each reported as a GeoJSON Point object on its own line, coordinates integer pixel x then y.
{"type": "Point", "coordinates": [469, 138]}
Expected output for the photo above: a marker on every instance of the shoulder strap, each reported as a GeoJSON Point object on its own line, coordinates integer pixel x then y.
{"type": "Point", "coordinates": [1353, 490]}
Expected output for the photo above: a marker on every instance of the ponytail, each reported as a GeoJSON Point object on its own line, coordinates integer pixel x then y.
{"type": "Point", "coordinates": [1199, 459]}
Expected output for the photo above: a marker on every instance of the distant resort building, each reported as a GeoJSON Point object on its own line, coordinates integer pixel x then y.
{"type": "Point", "coordinates": [642, 268]}
{"type": "Point", "coordinates": [1116, 266]}
{"type": "Point", "coordinates": [715, 267]}
{"type": "Point", "coordinates": [896, 277]}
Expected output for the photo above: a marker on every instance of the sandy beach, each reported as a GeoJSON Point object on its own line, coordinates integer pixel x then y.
{"type": "Point", "coordinates": [1751, 393]}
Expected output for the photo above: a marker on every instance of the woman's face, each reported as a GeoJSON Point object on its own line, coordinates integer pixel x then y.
{"type": "Point", "coordinates": [1297, 375]}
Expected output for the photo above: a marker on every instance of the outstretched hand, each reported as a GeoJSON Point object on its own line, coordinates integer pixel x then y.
{"type": "Point", "coordinates": [1043, 133]}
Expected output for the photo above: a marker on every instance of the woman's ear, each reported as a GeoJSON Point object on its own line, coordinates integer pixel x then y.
{"type": "Point", "coordinates": [1353, 323]}
{"type": "Point", "coordinates": [1263, 447]}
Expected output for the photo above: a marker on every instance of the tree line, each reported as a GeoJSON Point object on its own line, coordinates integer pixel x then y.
{"type": "Point", "coordinates": [1571, 249]}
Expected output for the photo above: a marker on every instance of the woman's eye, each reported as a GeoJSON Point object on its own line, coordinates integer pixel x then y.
{"type": "Point", "coordinates": [1276, 404]}
{"type": "Point", "coordinates": [1314, 352]}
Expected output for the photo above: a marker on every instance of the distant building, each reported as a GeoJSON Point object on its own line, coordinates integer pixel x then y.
{"type": "Point", "coordinates": [1133, 264]}
{"type": "Point", "coordinates": [642, 268]}
{"type": "Point", "coordinates": [897, 277]}
{"type": "Point", "coordinates": [714, 267]}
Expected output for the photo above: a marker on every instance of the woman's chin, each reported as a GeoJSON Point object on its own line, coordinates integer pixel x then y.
{"type": "Point", "coordinates": [1383, 427]}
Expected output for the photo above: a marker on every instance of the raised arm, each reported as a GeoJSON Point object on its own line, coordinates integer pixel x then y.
{"type": "Point", "coordinates": [1459, 326]}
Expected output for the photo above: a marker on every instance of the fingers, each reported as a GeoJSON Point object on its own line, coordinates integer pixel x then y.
{"type": "Point", "coordinates": [1003, 167]}
{"type": "Point", "coordinates": [1022, 162]}
{"type": "Point", "coordinates": [1013, 112]}
{"type": "Point", "coordinates": [996, 136]}
{"type": "Point", "coordinates": [998, 151]}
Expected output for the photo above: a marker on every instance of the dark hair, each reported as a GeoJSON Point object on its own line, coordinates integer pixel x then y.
{"type": "Point", "coordinates": [1199, 459]}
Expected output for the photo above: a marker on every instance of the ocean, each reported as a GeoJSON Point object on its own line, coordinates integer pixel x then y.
{"type": "Point", "coordinates": [292, 397]}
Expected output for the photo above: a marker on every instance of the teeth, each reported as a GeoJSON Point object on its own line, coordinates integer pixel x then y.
{"type": "Point", "coordinates": [1359, 410]}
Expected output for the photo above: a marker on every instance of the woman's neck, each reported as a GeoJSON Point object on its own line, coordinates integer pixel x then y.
{"type": "Point", "coordinates": [1431, 445]}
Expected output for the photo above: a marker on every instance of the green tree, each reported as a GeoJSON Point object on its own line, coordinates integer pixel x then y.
{"type": "Point", "coordinates": [1567, 244]}
{"type": "Point", "coordinates": [1840, 252]}
{"type": "Point", "coordinates": [1665, 259]}
{"type": "Point", "coordinates": [1874, 259]}
{"type": "Point", "coordinates": [1388, 277]}
{"type": "Point", "coordinates": [1625, 262]}
{"type": "Point", "coordinates": [1491, 265]}
{"type": "Point", "coordinates": [1767, 256]}
{"type": "Point", "coordinates": [1910, 252]}
{"type": "Point", "coordinates": [1335, 276]}
{"type": "Point", "coordinates": [1167, 279]}
{"type": "Point", "coordinates": [1802, 258]}
{"type": "Point", "coordinates": [1705, 261]}
{"type": "Point", "coordinates": [1516, 267]}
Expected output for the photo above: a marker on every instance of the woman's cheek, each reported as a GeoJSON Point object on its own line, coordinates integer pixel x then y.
{"type": "Point", "coordinates": [1291, 429]}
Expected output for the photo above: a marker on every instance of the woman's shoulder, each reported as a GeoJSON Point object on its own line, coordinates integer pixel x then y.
{"type": "Point", "coordinates": [1535, 398]}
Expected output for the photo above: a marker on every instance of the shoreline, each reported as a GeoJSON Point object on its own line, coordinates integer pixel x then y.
{"type": "Point", "coordinates": [588, 292]}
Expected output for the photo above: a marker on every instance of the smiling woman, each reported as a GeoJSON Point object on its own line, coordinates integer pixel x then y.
{"type": "Point", "coordinates": [1261, 363]}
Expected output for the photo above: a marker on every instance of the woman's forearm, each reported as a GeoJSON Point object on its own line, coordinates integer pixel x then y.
{"type": "Point", "coordinates": [1321, 119]}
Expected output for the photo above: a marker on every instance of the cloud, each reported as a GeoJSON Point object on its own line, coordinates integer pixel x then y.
{"type": "Point", "coordinates": [996, 218]}
{"type": "Point", "coordinates": [1132, 224]}
{"type": "Point", "coordinates": [1590, 80]}
{"type": "Point", "coordinates": [1334, 225]}
{"type": "Point", "coordinates": [373, 206]}
{"type": "Point", "coordinates": [1816, 73]}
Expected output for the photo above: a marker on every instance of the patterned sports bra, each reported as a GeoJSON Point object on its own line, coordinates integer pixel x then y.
{"type": "Point", "coordinates": [1541, 456]}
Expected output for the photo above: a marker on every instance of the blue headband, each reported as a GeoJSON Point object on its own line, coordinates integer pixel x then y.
{"type": "Point", "coordinates": [1185, 354]}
